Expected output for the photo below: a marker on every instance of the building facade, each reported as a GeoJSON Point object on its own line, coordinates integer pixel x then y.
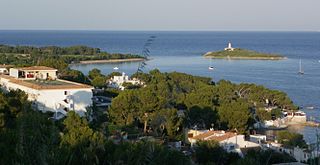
{"type": "Point", "coordinates": [47, 92]}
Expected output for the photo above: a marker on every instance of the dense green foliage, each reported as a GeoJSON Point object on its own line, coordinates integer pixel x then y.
{"type": "Point", "coordinates": [263, 157]}
{"type": "Point", "coordinates": [291, 139]}
{"type": "Point", "coordinates": [74, 75]}
{"type": "Point", "coordinates": [223, 105]}
{"type": "Point", "coordinates": [29, 137]}
{"type": "Point", "coordinates": [97, 79]}
{"type": "Point", "coordinates": [210, 152]}
{"type": "Point", "coordinates": [262, 114]}
{"type": "Point", "coordinates": [242, 53]}
{"type": "Point", "coordinates": [29, 55]}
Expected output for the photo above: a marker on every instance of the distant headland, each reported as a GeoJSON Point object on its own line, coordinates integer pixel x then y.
{"type": "Point", "coordinates": [242, 54]}
{"type": "Point", "coordinates": [30, 55]}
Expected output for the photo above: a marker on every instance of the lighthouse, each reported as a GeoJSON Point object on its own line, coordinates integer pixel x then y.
{"type": "Point", "coordinates": [229, 48]}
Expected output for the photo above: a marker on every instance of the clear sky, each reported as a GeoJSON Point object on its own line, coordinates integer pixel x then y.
{"type": "Point", "coordinates": [160, 14]}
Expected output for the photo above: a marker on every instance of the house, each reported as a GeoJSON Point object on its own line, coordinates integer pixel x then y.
{"type": "Point", "coordinates": [118, 81]}
{"type": "Point", "coordinates": [295, 117]}
{"type": "Point", "coordinates": [47, 92]}
{"type": "Point", "coordinates": [230, 141]}
{"type": "Point", "coordinates": [34, 72]}
{"type": "Point", "coordinates": [300, 154]}
{"type": "Point", "coordinates": [229, 48]}
{"type": "Point", "coordinates": [4, 69]}
{"type": "Point", "coordinates": [258, 138]}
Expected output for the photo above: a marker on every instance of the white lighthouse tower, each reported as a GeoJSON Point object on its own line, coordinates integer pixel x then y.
{"type": "Point", "coordinates": [229, 48]}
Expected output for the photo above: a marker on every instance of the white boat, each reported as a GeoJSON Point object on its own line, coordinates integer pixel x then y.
{"type": "Point", "coordinates": [115, 68]}
{"type": "Point", "coordinates": [310, 107]}
{"type": "Point", "coordinates": [300, 68]}
{"type": "Point", "coordinates": [211, 67]}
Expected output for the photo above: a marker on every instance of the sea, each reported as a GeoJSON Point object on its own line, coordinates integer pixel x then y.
{"type": "Point", "coordinates": [182, 51]}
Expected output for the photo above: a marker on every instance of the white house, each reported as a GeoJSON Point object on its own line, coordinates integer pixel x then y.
{"type": "Point", "coordinates": [4, 69]}
{"type": "Point", "coordinates": [300, 154]}
{"type": "Point", "coordinates": [295, 117]}
{"type": "Point", "coordinates": [229, 48]}
{"type": "Point", "coordinates": [230, 141]}
{"type": "Point", "coordinates": [117, 81]}
{"type": "Point", "coordinates": [34, 72]}
{"type": "Point", "coordinates": [47, 92]}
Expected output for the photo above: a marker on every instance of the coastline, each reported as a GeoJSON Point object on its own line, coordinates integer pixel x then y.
{"type": "Point", "coordinates": [243, 54]}
{"type": "Point", "coordinates": [111, 61]}
{"type": "Point", "coordinates": [246, 58]}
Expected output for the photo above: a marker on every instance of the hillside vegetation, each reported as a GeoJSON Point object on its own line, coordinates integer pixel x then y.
{"type": "Point", "coordinates": [30, 55]}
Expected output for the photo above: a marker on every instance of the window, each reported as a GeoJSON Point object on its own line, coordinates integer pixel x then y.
{"type": "Point", "coordinates": [65, 92]}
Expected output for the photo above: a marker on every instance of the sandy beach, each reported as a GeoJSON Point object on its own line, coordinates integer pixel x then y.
{"type": "Point", "coordinates": [112, 61]}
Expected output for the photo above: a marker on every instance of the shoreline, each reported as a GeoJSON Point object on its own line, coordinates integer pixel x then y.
{"type": "Point", "coordinates": [243, 54]}
{"type": "Point", "coordinates": [247, 58]}
{"type": "Point", "coordinates": [111, 61]}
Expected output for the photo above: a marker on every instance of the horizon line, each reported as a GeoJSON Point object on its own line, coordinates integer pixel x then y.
{"type": "Point", "coordinates": [168, 30]}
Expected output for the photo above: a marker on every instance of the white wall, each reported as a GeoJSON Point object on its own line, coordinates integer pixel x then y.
{"type": "Point", "coordinates": [14, 72]}
{"type": "Point", "coordinates": [81, 98]}
{"type": "Point", "coordinates": [47, 100]}
{"type": "Point", "coordinates": [3, 70]}
{"type": "Point", "coordinates": [43, 74]}
{"type": "Point", "coordinates": [238, 142]}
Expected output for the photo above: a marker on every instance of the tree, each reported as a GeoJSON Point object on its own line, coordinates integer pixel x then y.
{"type": "Point", "coordinates": [167, 121]}
{"type": "Point", "coordinates": [38, 138]}
{"type": "Point", "coordinates": [235, 114]}
{"type": "Point", "coordinates": [95, 73]}
{"type": "Point", "coordinates": [124, 108]}
{"type": "Point", "coordinates": [99, 82]}
{"type": "Point", "coordinates": [209, 152]}
{"type": "Point", "coordinates": [291, 139]}
{"type": "Point", "coordinates": [143, 152]}
{"type": "Point", "coordinates": [263, 114]}
{"type": "Point", "coordinates": [79, 139]}
{"type": "Point", "coordinates": [203, 118]}
{"type": "Point", "coordinates": [56, 62]}
{"type": "Point", "coordinates": [265, 157]}
{"type": "Point", "coordinates": [74, 75]}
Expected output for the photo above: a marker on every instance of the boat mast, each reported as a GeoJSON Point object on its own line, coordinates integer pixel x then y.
{"type": "Point", "coordinates": [300, 67]}
{"type": "Point", "coordinates": [300, 70]}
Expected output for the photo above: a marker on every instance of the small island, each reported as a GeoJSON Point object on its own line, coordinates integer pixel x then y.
{"type": "Point", "coordinates": [242, 54]}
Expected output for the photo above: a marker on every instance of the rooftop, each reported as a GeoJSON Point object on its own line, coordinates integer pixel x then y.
{"type": "Point", "coordinates": [215, 135]}
{"type": "Point", "coordinates": [46, 84]}
{"type": "Point", "coordinates": [36, 68]}
{"type": "Point", "coordinates": [5, 66]}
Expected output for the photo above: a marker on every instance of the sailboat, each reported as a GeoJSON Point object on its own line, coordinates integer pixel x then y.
{"type": "Point", "coordinates": [115, 68]}
{"type": "Point", "coordinates": [300, 68]}
{"type": "Point", "coordinates": [211, 67]}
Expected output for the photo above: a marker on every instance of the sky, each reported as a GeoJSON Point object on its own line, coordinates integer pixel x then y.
{"type": "Point", "coordinates": [166, 15]}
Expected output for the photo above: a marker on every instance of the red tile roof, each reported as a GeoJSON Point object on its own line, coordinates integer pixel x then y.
{"type": "Point", "coordinates": [5, 66]}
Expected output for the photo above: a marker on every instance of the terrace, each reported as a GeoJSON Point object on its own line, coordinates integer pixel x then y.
{"type": "Point", "coordinates": [46, 84]}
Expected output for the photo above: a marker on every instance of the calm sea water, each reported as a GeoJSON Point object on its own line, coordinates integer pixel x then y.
{"type": "Point", "coordinates": [182, 51]}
